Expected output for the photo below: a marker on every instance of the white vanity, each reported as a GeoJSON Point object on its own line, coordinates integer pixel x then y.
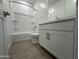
{"type": "Point", "coordinates": [57, 37]}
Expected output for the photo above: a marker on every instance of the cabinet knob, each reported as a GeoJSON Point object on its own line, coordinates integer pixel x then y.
{"type": "Point", "coordinates": [57, 18]}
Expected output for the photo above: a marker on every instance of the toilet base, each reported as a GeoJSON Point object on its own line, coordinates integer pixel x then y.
{"type": "Point", "coordinates": [34, 41]}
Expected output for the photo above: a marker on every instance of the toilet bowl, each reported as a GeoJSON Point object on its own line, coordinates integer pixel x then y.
{"type": "Point", "coordinates": [34, 37]}
{"type": "Point", "coordinates": [34, 34]}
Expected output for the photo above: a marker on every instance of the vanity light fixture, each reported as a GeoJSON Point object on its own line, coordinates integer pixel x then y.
{"type": "Point", "coordinates": [75, 0]}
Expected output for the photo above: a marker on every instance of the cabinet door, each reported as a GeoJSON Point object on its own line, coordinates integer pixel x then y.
{"type": "Point", "coordinates": [60, 44]}
{"type": "Point", "coordinates": [42, 40]}
{"type": "Point", "coordinates": [1, 39]}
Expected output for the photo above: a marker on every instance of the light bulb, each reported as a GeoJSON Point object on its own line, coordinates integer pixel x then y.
{"type": "Point", "coordinates": [75, 0]}
{"type": "Point", "coordinates": [43, 5]}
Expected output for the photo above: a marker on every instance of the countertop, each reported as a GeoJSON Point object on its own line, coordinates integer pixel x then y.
{"type": "Point", "coordinates": [59, 20]}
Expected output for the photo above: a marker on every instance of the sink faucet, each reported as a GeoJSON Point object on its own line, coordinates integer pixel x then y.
{"type": "Point", "coordinates": [57, 18]}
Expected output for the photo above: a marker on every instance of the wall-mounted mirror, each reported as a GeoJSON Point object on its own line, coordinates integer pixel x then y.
{"type": "Point", "coordinates": [61, 8]}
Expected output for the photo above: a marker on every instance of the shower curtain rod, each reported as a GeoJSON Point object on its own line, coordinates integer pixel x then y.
{"type": "Point", "coordinates": [24, 4]}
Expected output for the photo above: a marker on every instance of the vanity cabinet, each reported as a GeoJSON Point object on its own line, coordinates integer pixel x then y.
{"type": "Point", "coordinates": [57, 37]}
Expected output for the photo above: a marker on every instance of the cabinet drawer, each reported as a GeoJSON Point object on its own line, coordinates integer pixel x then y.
{"type": "Point", "coordinates": [65, 25]}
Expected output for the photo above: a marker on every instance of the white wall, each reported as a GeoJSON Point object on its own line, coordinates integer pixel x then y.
{"type": "Point", "coordinates": [42, 15]}
{"type": "Point", "coordinates": [23, 23]}
{"type": "Point", "coordinates": [22, 18]}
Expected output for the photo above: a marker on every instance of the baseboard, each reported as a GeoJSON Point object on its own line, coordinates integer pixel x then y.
{"type": "Point", "coordinates": [47, 51]}
{"type": "Point", "coordinates": [4, 57]}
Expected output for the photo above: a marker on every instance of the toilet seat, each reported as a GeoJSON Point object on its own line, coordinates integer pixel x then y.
{"type": "Point", "coordinates": [34, 34]}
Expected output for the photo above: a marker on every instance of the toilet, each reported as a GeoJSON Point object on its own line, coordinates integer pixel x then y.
{"type": "Point", "coordinates": [34, 37]}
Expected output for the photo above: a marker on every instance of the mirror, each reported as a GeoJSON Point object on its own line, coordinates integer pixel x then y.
{"type": "Point", "coordinates": [61, 8]}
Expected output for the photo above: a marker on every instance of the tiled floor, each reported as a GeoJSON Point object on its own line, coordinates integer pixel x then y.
{"type": "Point", "coordinates": [27, 50]}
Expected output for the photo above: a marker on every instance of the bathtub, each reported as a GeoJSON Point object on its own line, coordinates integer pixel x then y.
{"type": "Point", "coordinates": [20, 36]}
